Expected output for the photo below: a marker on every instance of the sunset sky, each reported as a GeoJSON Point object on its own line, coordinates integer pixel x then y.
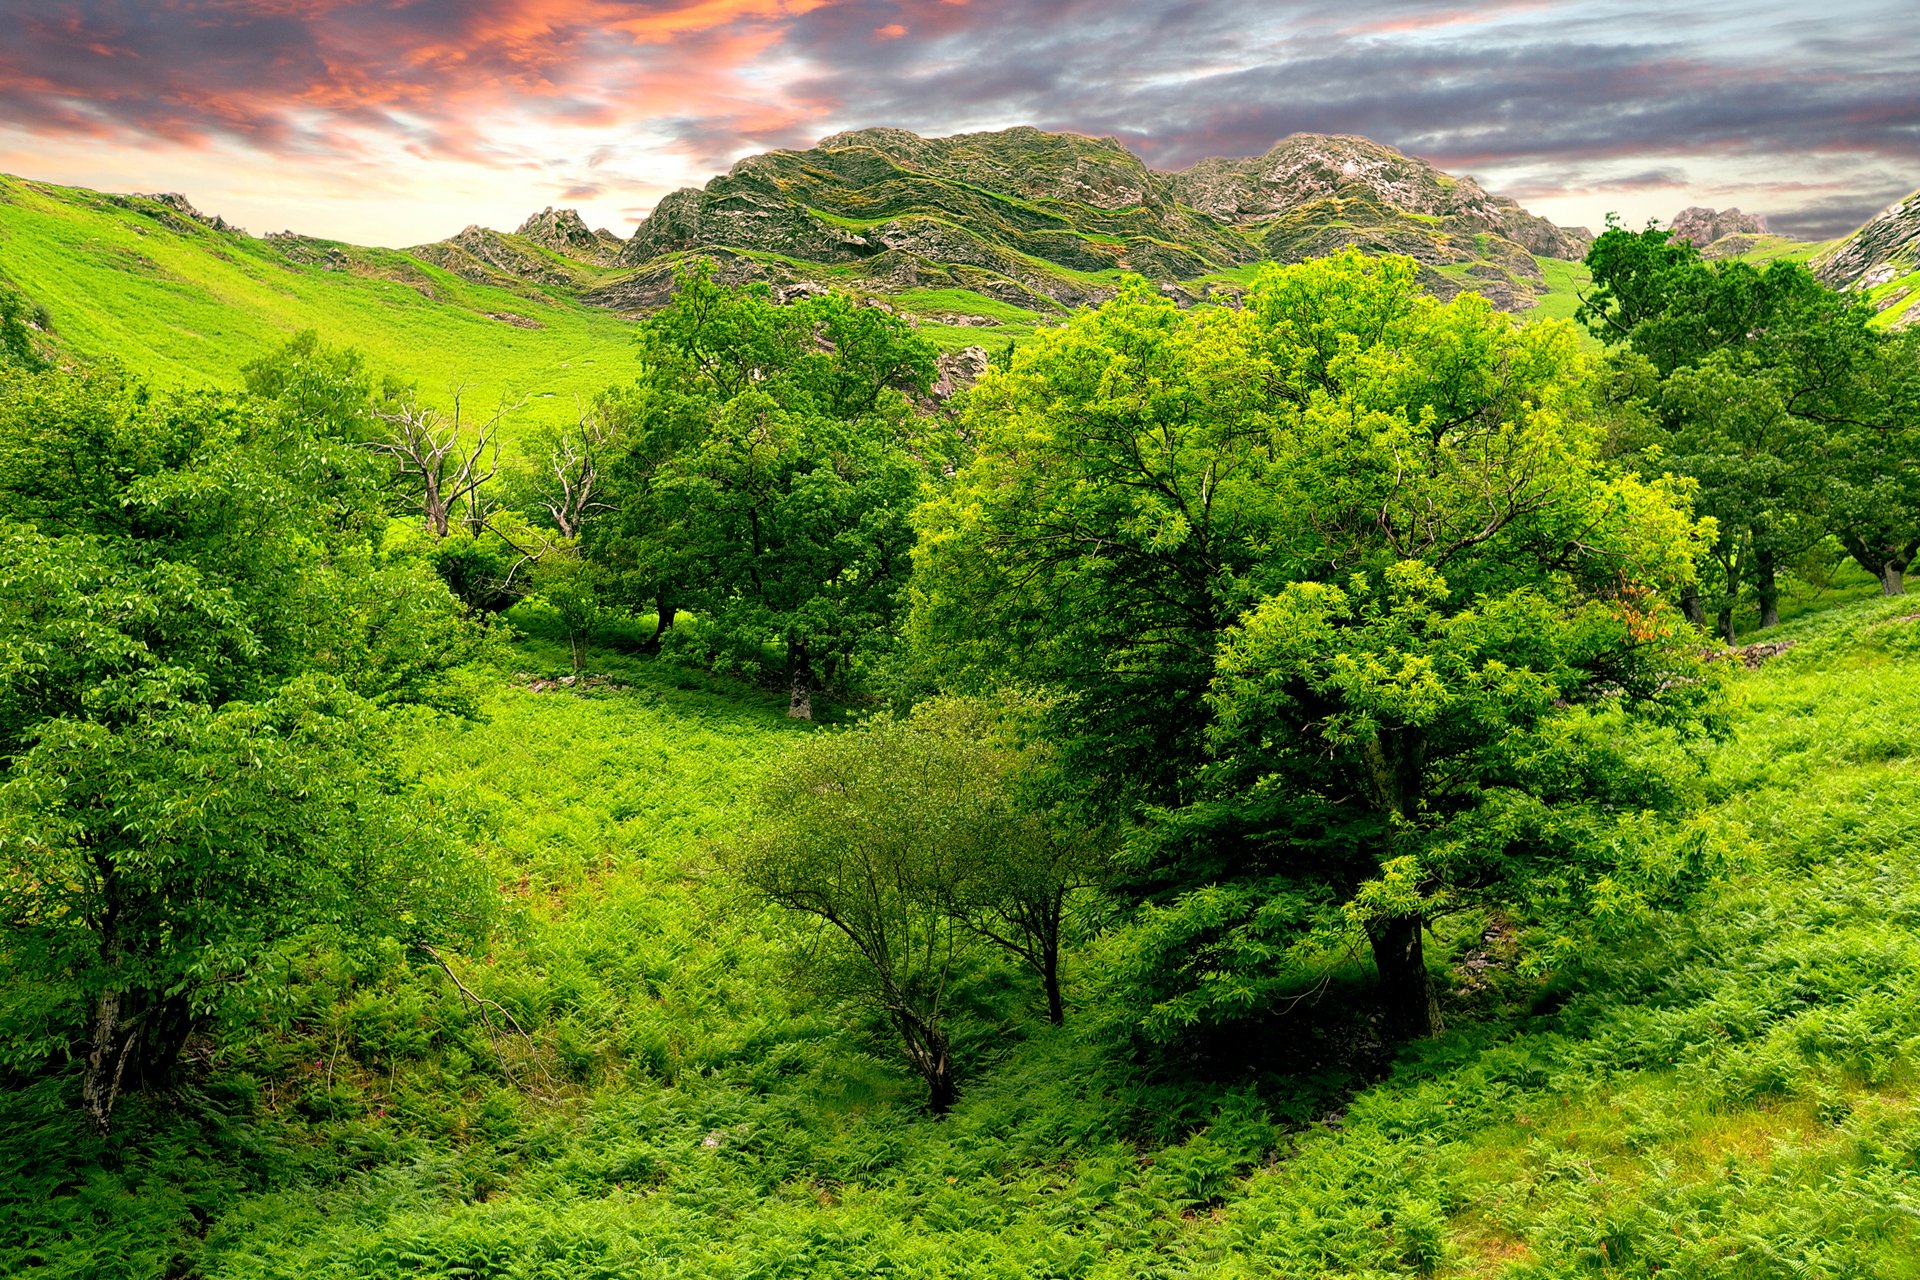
{"type": "Point", "coordinates": [400, 121]}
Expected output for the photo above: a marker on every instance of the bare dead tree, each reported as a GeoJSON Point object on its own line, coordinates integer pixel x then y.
{"type": "Point", "coordinates": [572, 477]}
{"type": "Point", "coordinates": [446, 459]}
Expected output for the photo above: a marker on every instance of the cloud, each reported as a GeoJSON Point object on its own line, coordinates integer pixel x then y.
{"type": "Point", "coordinates": [1571, 103]}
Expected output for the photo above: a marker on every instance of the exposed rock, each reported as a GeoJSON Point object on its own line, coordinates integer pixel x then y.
{"type": "Point", "coordinates": [651, 287]}
{"type": "Point", "coordinates": [565, 232]}
{"type": "Point", "coordinates": [1701, 227]}
{"type": "Point", "coordinates": [482, 256]}
{"type": "Point", "coordinates": [1042, 220]}
{"type": "Point", "coordinates": [958, 370]}
{"type": "Point", "coordinates": [1308, 167]}
{"type": "Point", "coordinates": [1890, 238]}
{"type": "Point", "coordinates": [762, 221]}
{"type": "Point", "coordinates": [174, 207]}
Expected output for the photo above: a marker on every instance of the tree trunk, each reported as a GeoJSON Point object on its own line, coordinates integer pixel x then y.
{"type": "Point", "coordinates": [1050, 979]}
{"type": "Point", "coordinates": [1892, 579]}
{"type": "Point", "coordinates": [1726, 625]}
{"type": "Point", "coordinates": [1767, 586]}
{"type": "Point", "coordinates": [575, 643]}
{"type": "Point", "coordinates": [106, 1061]}
{"type": "Point", "coordinates": [1412, 1012]}
{"type": "Point", "coordinates": [664, 613]}
{"type": "Point", "coordinates": [1691, 606]}
{"type": "Point", "coordinates": [800, 681]}
{"type": "Point", "coordinates": [927, 1052]}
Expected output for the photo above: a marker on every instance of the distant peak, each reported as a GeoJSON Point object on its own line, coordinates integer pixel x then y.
{"type": "Point", "coordinates": [565, 231]}
{"type": "Point", "coordinates": [1701, 226]}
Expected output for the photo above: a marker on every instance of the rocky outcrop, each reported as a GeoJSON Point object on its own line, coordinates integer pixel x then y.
{"type": "Point", "coordinates": [1309, 168]}
{"type": "Point", "coordinates": [482, 256]}
{"type": "Point", "coordinates": [175, 211]}
{"type": "Point", "coordinates": [1024, 161]}
{"type": "Point", "coordinates": [955, 371]}
{"type": "Point", "coordinates": [1882, 251]}
{"type": "Point", "coordinates": [565, 232]}
{"type": "Point", "coordinates": [1701, 227]}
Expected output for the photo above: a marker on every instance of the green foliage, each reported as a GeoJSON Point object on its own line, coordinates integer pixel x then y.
{"type": "Point", "coordinates": [215, 643]}
{"type": "Point", "coordinates": [768, 476]}
{"type": "Point", "coordinates": [1778, 397]}
{"type": "Point", "coordinates": [1379, 530]}
{"type": "Point", "coordinates": [198, 650]}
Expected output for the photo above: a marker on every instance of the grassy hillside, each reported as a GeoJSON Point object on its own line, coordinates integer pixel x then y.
{"type": "Point", "coordinates": [1722, 1092]}
{"type": "Point", "coordinates": [187, 304]}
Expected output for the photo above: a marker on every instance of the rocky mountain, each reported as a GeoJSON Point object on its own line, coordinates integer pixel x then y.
{"type": "Point", "coordinates": [1705, 227]}
{"type": "Point", "coordinates": [1882, 260]}
{"type": "Point", "coordinates": [565, 232]}
{"type": "Point", "coordinates": [1048, 221]}
{"type": "Point", "coordinates": [1328, 174]}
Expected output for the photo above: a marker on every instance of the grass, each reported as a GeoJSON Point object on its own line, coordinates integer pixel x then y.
{"type": "Point", "coordinates": [190, 307]}
{"type": "Point", "coordinates": [1726, 1091]}
{"type": "Point", "coordinates": [1564, 283]}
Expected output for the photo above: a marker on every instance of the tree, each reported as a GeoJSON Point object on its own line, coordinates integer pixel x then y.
{"type": "Point", "coordinates": [1873, 467]}
{"type": "Point", "coordinates": [1150, 482]}
{"type": "Point", "coordinates": [1424, 748]}
{"type": "Point", "coordinates": [870, 831]}
{"type": "Point", "coordinates": [1778, 398]}
{"type": "Point", "coordinates": [1044, 846]}
{"type": "Point", "coordinates": [434, 456]}
{"type": "Point", "coordinates": [199, 647]}
{"type": "Point", "coordinates": [568, 487]}
{"type": "Point", "coordinates": [771, 464]}
{"type": "Point", "coordinates": [569, 586]}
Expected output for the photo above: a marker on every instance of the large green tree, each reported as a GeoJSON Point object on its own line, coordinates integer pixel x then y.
{"type": "Point", "coordinates": [201, 652]}
{"type": "Point", "coordinates": [769, 463]}
{"type": "Point", "coordinates": [1159, 495]}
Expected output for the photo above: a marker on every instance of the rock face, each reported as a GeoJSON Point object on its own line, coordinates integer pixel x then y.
{"type": "Point", "coordinates": [1310, 168]}
{"type": "Point", "coordinates": [1046, 221]}
{"type": "Point", "coordinates": [175, 207]}
{"type": "Point", "coordinates": [483, 256]}
{"type": "Point", "coordinates": [565, 232]}
{"type": "Point", "coordinates": [1882, 251]}
{"type": "Point", "coordinates": [1701, 227]}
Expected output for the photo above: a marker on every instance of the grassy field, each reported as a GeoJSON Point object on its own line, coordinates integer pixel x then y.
{"type": "Point", "coordinates": [187, 305]}
{"type": "Point", "coordinates": [1725, 1091]}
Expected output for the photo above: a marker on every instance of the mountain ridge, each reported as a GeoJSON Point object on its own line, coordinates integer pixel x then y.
{"type": "Point", "coordinates": [1024, 216]}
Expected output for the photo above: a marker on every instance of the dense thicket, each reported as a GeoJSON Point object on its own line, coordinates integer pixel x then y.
{"type": "Point", "coordinates": [1797, 420]}
{"type": "Point", "coordinates": [201, 650]}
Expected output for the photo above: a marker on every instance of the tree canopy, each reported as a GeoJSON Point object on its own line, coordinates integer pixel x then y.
{"type": "Point", "coordinates": [201, 647]}
{"type": "Point", "coordinates": [1300, 575]}
{"type": "Point", "coordinates": [769, 466]}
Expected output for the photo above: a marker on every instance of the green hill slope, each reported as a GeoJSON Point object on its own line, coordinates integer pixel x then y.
{"type": "Point", "coordinates": [1881, 260]}
{"type": "Point", "coordinates": [1726, 1091]}
{"type": "Point", "coordinates": [186, 302]}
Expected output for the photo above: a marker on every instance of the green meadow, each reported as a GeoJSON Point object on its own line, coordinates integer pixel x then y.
{"type": "Point", "coordinates": [185, 305]}
{"type": "Point", "coordinates": [1721, 1091]}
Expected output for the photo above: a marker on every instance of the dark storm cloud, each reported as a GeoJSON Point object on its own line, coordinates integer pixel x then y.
{"type": "Point", "coordinates": [1593, 92]}
{"type": "Point", "coordinates": [1574, 84]}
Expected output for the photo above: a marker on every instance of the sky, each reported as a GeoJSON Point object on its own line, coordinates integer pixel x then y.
{"type": "Point", "coordinates": [397, 122]}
